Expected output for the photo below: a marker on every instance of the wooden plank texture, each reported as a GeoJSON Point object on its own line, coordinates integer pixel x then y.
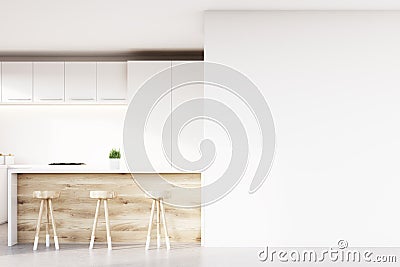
{"type": "Point", "coordinates": [129, 212]}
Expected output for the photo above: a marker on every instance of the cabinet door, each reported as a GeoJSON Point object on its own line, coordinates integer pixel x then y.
{"type": "Point", "coordinates": [112, 82]}
{"type": "Point", "coordinates": [3, 195]}
{"type": "Point", "coordinates": [48, 82]}
{"type": "Point", "coordinates": [1, 90]}
{"type": "Point", "coordinates": [138, 73]}
{"type": "Point", "coordinates": [16, 82]}
{"type": "Point", "coordinates": [80, 82]}
{"type": "Point", "coordinates": [190, 137]}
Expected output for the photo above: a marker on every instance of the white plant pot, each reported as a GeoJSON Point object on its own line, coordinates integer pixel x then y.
{"type": "Point", "coordinates": [9, 160]}
{"type": "Point", "coordinates": [114, 164]}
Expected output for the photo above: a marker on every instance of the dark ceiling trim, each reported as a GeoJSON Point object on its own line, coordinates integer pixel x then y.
{"type": "Point", "coordinates": [104, 56]}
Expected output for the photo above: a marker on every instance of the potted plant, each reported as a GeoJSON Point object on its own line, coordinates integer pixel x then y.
{"type": "Point", "coordinates": [115, 156]}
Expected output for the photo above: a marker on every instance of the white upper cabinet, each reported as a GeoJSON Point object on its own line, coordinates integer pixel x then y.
{"type": "Point", "coordinates": [48, 82]}
{"type": "Point", "coordinates": [90, 83]}
{"type": "Point", "coordinates": [16, 82]}
{"type": "Point", "coordinates": [1, 93]}
{"type": "Point", "coordinates": [189, 139]}
{"type": "Point", "coordinates": [138, 73]}
{"type": "Point", "coordinates": [80, 82]}
{"type": "Point", "coordinates": [112, 82]}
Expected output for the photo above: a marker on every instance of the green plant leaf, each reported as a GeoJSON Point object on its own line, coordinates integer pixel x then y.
{"type": "Point", "coordinates": [115, 154]}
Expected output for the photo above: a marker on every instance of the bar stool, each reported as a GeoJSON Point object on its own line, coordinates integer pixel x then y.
{"type": "Point", "coordinates": [46, 197]}
{"type": "Point", "coordinates": [102, 196]}
{"type": "Point", "coordinates": [158, 198]}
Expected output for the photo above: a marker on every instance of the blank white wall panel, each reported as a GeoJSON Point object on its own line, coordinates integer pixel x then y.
{"type": "Point", "coordinates": [332, 83]}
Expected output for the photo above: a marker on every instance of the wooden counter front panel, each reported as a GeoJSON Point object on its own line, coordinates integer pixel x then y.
{"type": "Point", "coordinates": [129, 212]}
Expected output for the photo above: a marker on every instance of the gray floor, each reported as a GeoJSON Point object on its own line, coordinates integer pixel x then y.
{"type": "Point", "coordinates": [121, 255]}
{"type": "Point", "coordinates": [135, 255]}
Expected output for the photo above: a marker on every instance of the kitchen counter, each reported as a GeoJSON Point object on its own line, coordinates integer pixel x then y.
{"type": "Point", "coordinates": [67, 169]}
{"type": "Point", "coordinates": [74, 211]}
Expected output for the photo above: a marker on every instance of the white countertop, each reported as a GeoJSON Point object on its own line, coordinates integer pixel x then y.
{"type": "Point", "coordinates": [66, 169]}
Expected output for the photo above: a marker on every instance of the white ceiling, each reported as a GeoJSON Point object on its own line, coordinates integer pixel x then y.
{"type": "Point", "coordinates": [131, 25]}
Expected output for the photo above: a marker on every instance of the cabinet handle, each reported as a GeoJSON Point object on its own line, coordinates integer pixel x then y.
{"type": "Point", "coordinates": [113, 99]}
{"type": "Point", "coordinates": [19, 99]}
{"type": "Point", "coordinates": [82, 99]}
{"type": "Point", "coordinates": [50, 99]}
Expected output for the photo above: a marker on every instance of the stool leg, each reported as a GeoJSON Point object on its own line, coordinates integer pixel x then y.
{"type": "Point", "coordinates": [150, 225]}
{"type": "Point", "coordinates": [96, 218]}
{"type": "Point", "coordinates": [53, 224]}
{"type": "Point", "coordinates": [107, 225]}
{"type": "Point", "coordinates": [47, 224]}
{"type": "Point", "coordinates": [165, 225]}
{"type": "Point", "coordinates": [158, 224]}
{"type": "Point", "coordinates": [39, 221]}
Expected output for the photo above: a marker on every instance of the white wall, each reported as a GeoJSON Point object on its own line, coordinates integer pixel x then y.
{"type": "Point", "coordinates": [332, 81]}
{"type": "Point", "coordinates": [39, 134]}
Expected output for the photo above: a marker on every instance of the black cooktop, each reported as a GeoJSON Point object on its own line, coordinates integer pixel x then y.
{"type": "Point", "coordinates": [65, 163]}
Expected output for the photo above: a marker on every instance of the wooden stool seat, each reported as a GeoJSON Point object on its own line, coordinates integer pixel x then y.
{"type": "Point", "coordinates": [102, 196]}
{"type": "Point", "coordinates": [46, 194]}
{"type": "Point", "coordinates": [46, 197]}
{"type": "Point", "coordinates": [163, 194]}
{"type": "Point", "coordinates": [158, 200]}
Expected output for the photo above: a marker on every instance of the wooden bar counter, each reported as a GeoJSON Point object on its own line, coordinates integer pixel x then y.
{"type": "Point", "coordinates": [74, 210]}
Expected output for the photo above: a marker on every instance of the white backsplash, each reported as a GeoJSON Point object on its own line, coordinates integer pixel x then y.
{"type": "Point", "coordinates": [45, 134]}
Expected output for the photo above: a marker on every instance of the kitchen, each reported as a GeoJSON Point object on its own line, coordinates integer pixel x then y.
{"type": "Point", "coordinates": [197, 133]}
{"type": "Point", "coordinates": [76, 112]}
